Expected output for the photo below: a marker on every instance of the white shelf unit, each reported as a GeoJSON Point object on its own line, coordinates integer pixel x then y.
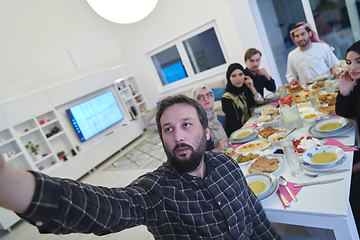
{"type": "Point", "coordinates": [46, 131]}
{"type": "Point", "coordinates": [129, 92]}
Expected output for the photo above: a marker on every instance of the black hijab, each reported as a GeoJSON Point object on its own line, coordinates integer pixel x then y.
{"type": "Point", "coordinates": [355, 47]}
{"type": "Point", "coordinates": [230, 87]}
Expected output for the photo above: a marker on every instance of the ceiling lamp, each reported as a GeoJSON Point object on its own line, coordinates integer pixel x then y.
{"type": "Point", "coordinates": [123, 11]}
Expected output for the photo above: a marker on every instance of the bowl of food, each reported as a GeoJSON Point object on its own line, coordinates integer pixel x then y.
{"type": "Point", "coordinates": [323, 155]}
{"type": "Point", "coordinates": [278, 138]}
{"type": "Point", "coordinates": [242, 134]}
{"type": "Point", "coordinates": [306, 110]}
{"type": "Point", "coordinates": [246, 158]}
{"type": "Point", "coordinates": [310, 117]}
{"type": "Point", "coordinates": [259, 183]}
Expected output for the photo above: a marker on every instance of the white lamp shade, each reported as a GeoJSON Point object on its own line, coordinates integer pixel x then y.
{"type": "Point", "coordinates": [123, 11]}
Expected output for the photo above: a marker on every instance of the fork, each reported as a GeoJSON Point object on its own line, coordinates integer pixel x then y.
{"type": "Point", "coordinates": [327, 172]}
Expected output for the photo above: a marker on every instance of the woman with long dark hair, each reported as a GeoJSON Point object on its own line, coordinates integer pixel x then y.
{"type": "Point", "coordinates": [348, 105]}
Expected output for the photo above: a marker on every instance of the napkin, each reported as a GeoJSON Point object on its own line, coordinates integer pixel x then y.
{"type": "Point", "coordinates": [294, 190]}
{"type": "Point", "coordinates": [273, 102]}
{"type": "Point", "coordinates": [253, 125]}
{"type": "Point", "coordinates": [235, 146]}
{"type": "Point", "coordinates": [334, 142]}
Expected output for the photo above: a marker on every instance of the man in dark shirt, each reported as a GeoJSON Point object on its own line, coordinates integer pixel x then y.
{"type": "Point", "coordinates": [260, 77]}
{"type": "Point", "coordinates": [194, 195]}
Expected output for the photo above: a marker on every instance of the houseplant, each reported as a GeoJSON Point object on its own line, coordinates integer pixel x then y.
{"type": "Point", "coordinates": [61, 154]}
{"type": "Point", "coordinates": [33, 148]}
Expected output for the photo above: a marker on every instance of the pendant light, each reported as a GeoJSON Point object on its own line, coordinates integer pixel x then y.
{"type": "Point", "coordinates": [123, 11]}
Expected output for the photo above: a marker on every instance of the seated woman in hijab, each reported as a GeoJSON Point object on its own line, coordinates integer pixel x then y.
{"type": "Point", "coordinates": [218, 140]}
{"type": "Point", "coordinates": [240, 96]}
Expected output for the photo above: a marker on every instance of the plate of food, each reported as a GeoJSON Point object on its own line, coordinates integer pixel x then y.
{"type": "Point", "coordinates": [330, 99]}
{"type": "Point", "coordinates": [266, 164]}
{"type": "Point", "coordinates": [268, 114]}
{"type": "Point", "coordinates": [304, 104]}
{"type": "Point", "coordinates": [318, 86]}
{"type": "Point", "coordinates": [272, 96]}
{"type": "Point", "coordinates": [260, 184]}
{"type": "Point", "coordinates": [315, 168]}
{"type": "Point", "coordinates": [230, 152]}
{"type": "Point", "coordinates": [252, 146]}
{"type": "Point", "coordinates": [327, 110]}
{"type": "Point", "coordinates": [303, 144]}
{"type": "Point", "coordinates": [264, 133]}
{"type": "Point", "coordinates": [306, 110]}
{"type": "Point", "coordinates": [323, 155]}
{"type": "Point", "coordinates": [295, 89]}
{"type": "Point", "coordinates": [320, 78]}
{"type": "Point", "coordinates": [246, 158]}
{"type": "Point", "coordinates": [242, 134]}
{"type": "Point", "coordinates": [298, 98]}
{"type": "Point", "coordinates": [331, 124]}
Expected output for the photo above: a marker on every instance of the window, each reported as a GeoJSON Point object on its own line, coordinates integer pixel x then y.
{"type": "Point", "coordinates": [188, 58]}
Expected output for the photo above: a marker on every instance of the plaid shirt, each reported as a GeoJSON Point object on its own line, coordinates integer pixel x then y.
{"type": "Point", "coordinates": [171, 205]}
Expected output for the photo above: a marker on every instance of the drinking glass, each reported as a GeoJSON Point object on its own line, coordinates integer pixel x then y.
{"type": "Point", "coordinates": [329, 87]}
{"type": "Point", "coordinates": [292, 159]}
{"type": "Point", "coordinates": [314, 99]}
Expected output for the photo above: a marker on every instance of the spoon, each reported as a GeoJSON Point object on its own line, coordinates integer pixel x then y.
{"type": "Point", "coordinates": [283, 182]}
{"type": "Point", "coordinates": [290, 132]}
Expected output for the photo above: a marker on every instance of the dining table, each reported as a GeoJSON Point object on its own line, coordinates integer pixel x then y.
{"type": "Point", "coordinates": [324, 206]}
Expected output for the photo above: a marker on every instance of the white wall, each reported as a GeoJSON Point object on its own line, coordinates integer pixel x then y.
{"type": "Point", "coordinates": [48, 43]}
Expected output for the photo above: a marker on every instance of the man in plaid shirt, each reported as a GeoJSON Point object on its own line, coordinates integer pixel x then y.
{"type": "Point", "coordinates": [194, 195]}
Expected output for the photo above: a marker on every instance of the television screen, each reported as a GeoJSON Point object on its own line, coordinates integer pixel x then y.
{"type": "Point", "coordinates": [95, 115]}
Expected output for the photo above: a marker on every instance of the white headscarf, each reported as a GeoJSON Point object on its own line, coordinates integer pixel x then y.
{"type": "Point", "coordinates": [217, 131]}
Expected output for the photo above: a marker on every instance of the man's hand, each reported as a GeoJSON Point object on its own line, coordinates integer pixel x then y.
{"type": "Point", "coordinates": [222, 145]}
{"type": "Point", "coordinates": [263, 72]}
{"type": "Point", "coordinates": [346, 83]}
{"type": "Point", "coordinates": [17, 187]}
{"type": "Point", "coordinates": [294, 82]}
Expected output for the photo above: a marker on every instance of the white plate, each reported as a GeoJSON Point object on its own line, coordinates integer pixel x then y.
{"type": "Point", "coordinates": [241, 130]}
{"type": "Point", "coordinates": [342, 121]}
{"type": "Point", "coordinates": [251, 137]}
{"type": "Point", "coordinates": [259, 109]}
{"type": "Point", "coordinates": [325, 148]}
{"type": "Point", "coordinates": [246, 163]}
{"type": "Point", "coordinates": [320, 78]}
{"type": "Point", "coordinates": [311, 87]}
{"type": "Point", "coordinates": [261, 177]}
{"type": "Point", "coordinates": [348, 127]}
{"type": "Point", "coordinates": [272, 96]}
{"type": "Point", "coordinates": [246, 145]}
{"type": "Point", "coordinates": [315, 142]}
{"type": "Point", "coordinates": [305, 110]}
{"type": "Point", "coordinates": [338, 164]}
{"type": "Point", "coordinates": [280, 163]}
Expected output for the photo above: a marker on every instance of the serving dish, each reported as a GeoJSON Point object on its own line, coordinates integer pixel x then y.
{"type": "Point", "coordinates": [260, 153]}
{"type": "Point", "coordinates": [252, 146]}
{"type": "Point", "coordinates": [320, 78]}
{"type": "Point", "coordinates": [279, 165]}
{"type": "Point", "coordinates": [246, 132]}
{"type": "Point", "coordinates": [276, 135]}
{"type": "Point", "coordinates": [312, 119]}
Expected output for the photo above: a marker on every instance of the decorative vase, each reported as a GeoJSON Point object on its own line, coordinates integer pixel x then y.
{"type": "Point", "coordinates": [37, 157]}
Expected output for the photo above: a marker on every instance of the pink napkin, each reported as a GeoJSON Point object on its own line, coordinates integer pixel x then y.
{"type": "Point", "coordinates": [333, 142]}
{"type": "Point", "coordinates": [273, 102]}
{"type": "Point", "coordinates": [253, 125]}
{"type": "Point", "coordinates": [294, 190]}
{"type": "Point", "coordinates": [235, 146]}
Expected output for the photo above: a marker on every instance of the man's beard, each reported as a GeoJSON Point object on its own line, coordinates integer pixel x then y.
{"type": "Point", "coordinates": [190, 163]}
{"type": "Point", "coordinates": [307, 41]}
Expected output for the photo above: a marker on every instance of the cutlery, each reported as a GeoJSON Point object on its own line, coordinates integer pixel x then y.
{"type": "Point", "coordinates": [283, 198]}
{"type": "Point", "coordinates": [283, 182]}
{"type": "Point", "coordinates": [319, 182]}
{"type": "Point", "coordinates": [327, 172]}
{"type": "Point", "coordinates": [290, 132]}
{"type": "Point", "coordinates": [349, 146]}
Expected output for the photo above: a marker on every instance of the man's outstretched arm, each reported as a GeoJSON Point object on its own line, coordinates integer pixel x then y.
{"type": "Point", "coordinates": [17, 187]}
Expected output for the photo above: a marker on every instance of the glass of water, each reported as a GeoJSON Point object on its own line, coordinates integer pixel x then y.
{"type": "Point", "coordinates": [329, 87]}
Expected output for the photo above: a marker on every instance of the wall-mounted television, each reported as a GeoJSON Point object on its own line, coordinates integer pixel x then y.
{"type": "Point", "coordinates": [95, 115]}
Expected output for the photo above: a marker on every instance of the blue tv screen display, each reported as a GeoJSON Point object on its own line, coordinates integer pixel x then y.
{"type": "Point", "coordinates": [95, 115]}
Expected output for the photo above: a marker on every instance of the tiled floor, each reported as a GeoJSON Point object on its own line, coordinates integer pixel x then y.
{"type": "Point", "coordinates": [143, 155]}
